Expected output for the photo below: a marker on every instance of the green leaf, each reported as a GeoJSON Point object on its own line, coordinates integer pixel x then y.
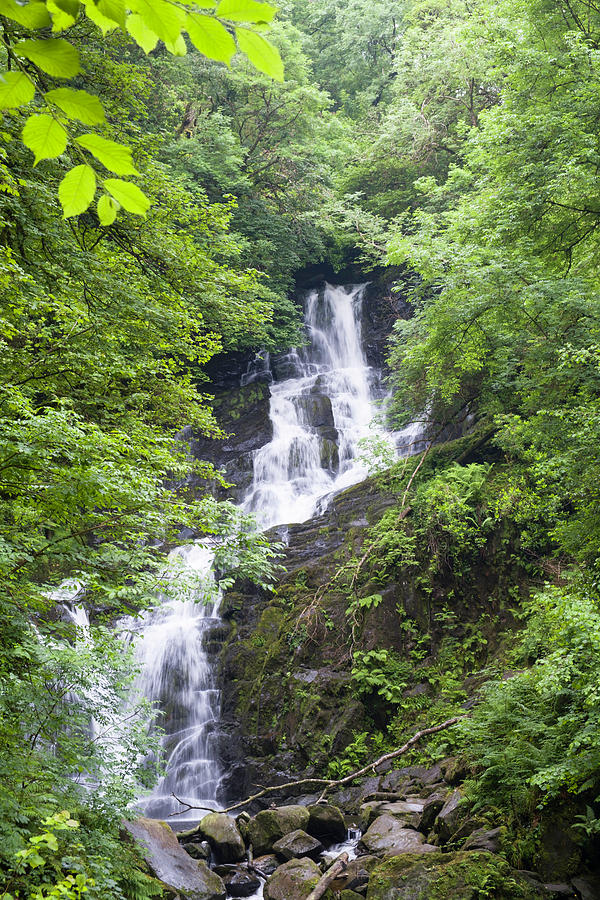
{"type": "Point", "coordinates": [15, 90]}
{"type": "Point", "coordinates": [114, 10]}
{"type": "Point", "coordinates": [107, 209]}
{"type": "Point", "coordinates": [116, 157]}
{"type": "Point", "coordinates": [95, 16]}
{"type": "Point", "coordinates": [178, 47]}
{"type": "Point", "coordinates": [128, 195]}
{"type": "Point", "coordinates": [245, 11]}
{"type": "Point", "coordinates": [139, 31]}
{"type": "Point", "coordinates": [76, 190]}
{"type": "Point", "coordinates": [77, 105]}
{"type": "Point", "coordinates": [30, 15]}
{"type": "Point", "coordinates": [162, 18]}
{"type": "Point", "coordinates": [210, 37]}
{"type": "Point", "coordinates": [261, 53]}
{"type": "Point", "coordinates": [60, 19]}
{"type": "Point", "coordinates": [71, 7]}
{"type": "Point", "coordinates": [55, 56]}
{"type": "Point", "coordinates": [45, 137]}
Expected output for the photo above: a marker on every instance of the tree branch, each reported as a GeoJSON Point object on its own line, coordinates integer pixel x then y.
{"type": "Point", "coordinates": [330, 783]}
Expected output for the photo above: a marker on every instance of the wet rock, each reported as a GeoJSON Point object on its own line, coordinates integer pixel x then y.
{"type": "Point", "coordinates": [453, 771]}
{"type": "Point", "coordinates": [356, 875]}
{"type": "Point", "coordinates": [241, 883]}
{"type": "Point", "coordinates": [198, 850]}
{"type": "Point", "coordinates": [560, 851]}
{"type": "Point", "coordinates": [484, 840]}
{"type": "Point", "coordinates": [169, 862]}
{"type": "Point", "coordinates": [298, 844]}
{"type": "Point", "coordinates": [223, 835]}
{"type": "Point", "coordinates": [294, 880]}
{"type": "Point", "coordinates": [397, 779]}
{"type": "Point", "coordinates": [587, 886]}
{"type": "Point", "coordinates": [266, 865]}
{"type": "Point", "coordinates": [560, 890]}
{"type": "Point", "coordinates": [449, 817]}
{"type": "Point", "coordinates": [271, 824]}
{"type": "Point", "coordinates": [432, 775]}
{"type": "Point", "coordinates": [451, 876]}
{"type": "Point", "coordinates": [389, 836]}
{"type": "Point", "coordinates": [432, 807]}
{"type": "Point", "coordinates": [410, 813]}
{"type": "Point", "coordinates": [317, 410]}
{"type": "Point", "coordinates": [326, 822]}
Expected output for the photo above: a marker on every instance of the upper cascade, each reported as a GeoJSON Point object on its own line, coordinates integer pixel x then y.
{"type": "Point", "coordinates": [322, 404]}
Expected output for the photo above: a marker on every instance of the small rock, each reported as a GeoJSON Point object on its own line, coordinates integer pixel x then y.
{"type": "Point", "coordinates": [240, 883]}
{"type": "Point", "coordinates": [587, 886]}
{"type": "Point", "coordinates": [484, 840]}
{"type": "Point", "coordinates": [294, 880]}
{"type": "Point", "coordinates": [199, 850]}
{"type": "Point", "coordinates": [326, 823]}
{"type": "Point", "coordinates": [266, 865]}
{"type": "Point", "coordinates": [297, 844]}
{"type": "Point", "coordinates": [397, 778]}
{"type": "Point", "coordinates": [223, 835]}
{"type": "Point", "coordinates": [408, 812]}
{"type": "Point", "coordinates": [453, 770]}
{"type": "Point", "coordinates": [432, 807]}
{"type": "Point", "coordinates": [432, 775]}
{"type": "Point", "coordinates": [449, 817]}
{"type": "Point", "coordinates": [388, 836]}
{"type": "Point", "coordinates": [560, 890]}
{"type": "Point", "coordinates": [271, 824]}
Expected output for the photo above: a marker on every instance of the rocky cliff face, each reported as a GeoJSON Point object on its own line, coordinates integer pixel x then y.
{"type": "Point", "coordinates": [290, 703]}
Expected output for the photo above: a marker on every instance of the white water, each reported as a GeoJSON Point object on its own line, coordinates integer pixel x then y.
{"type": "Point", "coordinates": [176, 676]}
{"type": "Point", "coordinates": [298, 468]}
{"type": "Point", "coordinates": [320, 413]}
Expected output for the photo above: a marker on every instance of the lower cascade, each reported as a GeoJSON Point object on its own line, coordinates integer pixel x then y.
{"type": "Point", "coordinates": [177, 677]}
{"type": "Point", "coordinates": [323, 402]}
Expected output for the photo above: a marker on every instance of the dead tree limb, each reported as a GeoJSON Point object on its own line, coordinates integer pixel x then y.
{"type": "Point", "coordinates": [330, 875]}
{"type": "Point", "coordinates": [329, 783]}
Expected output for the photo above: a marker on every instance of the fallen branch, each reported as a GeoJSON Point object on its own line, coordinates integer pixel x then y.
{"type": "Point", "coordinates": [330, 875]}
{"type": "Point", "coordinates": [330, 783]}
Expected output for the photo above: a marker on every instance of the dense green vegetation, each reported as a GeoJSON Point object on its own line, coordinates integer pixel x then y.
{"type": "Point", "coordinates": [457, 140]}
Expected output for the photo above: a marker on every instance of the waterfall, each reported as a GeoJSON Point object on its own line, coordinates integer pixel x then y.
{"type": "Point", "coordinates": [320, 409]}
{"type": "Point", "coordinates": [176, 675]}
{"type": "Point", "coordinates": [323, 402]}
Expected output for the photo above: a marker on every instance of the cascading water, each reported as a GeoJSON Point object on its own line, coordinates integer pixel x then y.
{"type": "Point", "coordinates": [319, 411]}
{"type": "Point", "coordinates": [177, 677]}
{"type": "Point", "coordinates": [323, 402]}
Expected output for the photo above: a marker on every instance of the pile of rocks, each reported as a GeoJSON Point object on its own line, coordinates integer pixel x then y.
{"type": "Point", "coordinates": [419, 841]}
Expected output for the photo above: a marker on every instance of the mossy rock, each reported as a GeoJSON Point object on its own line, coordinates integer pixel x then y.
{"type": "Point", "coordinates": [448, 876]}
{"type": "Point", "coordinates": [270, 825]}
{"type": "Point", "coordinates": [294, 880]}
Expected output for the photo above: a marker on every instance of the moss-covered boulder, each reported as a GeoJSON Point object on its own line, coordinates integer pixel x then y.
{"type": "Point", "coordinates": [449, 876]}
{"type": "Point", "coordinates": [270, 825]}
{"type": "Point", "coordinates": [223, 835]}
{"type": "Point", "coordinates": [326, 822]}
{"type": "Point", "coordinates": [294, 880]}
{"type": "Point", "coordinates": [167, 860]}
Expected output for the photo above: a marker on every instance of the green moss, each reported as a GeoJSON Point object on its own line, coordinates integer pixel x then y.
{"type": "Point", "coordinates": [448, 876]}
